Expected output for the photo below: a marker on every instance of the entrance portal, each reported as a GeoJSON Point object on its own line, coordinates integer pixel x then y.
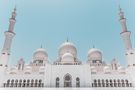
{"type": "Point", "coordinates": [67, 81]}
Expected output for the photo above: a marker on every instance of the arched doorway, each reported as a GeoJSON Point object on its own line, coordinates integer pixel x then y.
{"type": "Point", "coordinates": [67, 81]}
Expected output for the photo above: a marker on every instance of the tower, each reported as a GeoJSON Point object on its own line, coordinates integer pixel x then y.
{"type": "Point", "coordinates": [125, 34]}
{"type": "Point", "coordinates": [5, 53]}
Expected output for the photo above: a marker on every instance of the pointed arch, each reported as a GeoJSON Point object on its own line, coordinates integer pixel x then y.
{"type": "Point", "coordinates": [77, 82]}
{"type": "Point", "coordinates": [57, 81]}
{"type": "Point", "coordinates": [67, 80]}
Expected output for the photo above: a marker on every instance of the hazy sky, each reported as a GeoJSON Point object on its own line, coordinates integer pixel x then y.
{"type": "Point", "coordinates": [50, 22]}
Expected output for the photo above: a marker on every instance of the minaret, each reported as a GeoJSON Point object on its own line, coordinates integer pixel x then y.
{"type": "Point", "coordinates": [125, 34]}
{"type": "Point", "coordinates": [5, 53]}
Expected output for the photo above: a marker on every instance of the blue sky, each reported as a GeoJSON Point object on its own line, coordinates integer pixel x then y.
{"type": "Point", "coordinates": [50, 22]}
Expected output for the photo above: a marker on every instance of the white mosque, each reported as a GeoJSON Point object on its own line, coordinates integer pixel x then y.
{"type": "Point", "coordinates": [67, 70]}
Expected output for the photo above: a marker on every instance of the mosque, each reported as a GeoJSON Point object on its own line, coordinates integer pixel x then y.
{"type": "Point", "coordinates": [67, 70]}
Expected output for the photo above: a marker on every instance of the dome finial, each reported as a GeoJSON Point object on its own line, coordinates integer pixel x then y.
{"type": "Point", "coordinates": [15, 8]}
{"type": "Point", "coordinates": [93, 46]}
{"type": "Point", "coordinates": [41, 46]}
{"type": "Point", "coordinates": [67, 39]}
{"type": "Point", "coordinates": [121, 13]}
{"type": "Point", "coordinates": [120, 9]}
{"type": "Point", "coordinates": [14, 14]}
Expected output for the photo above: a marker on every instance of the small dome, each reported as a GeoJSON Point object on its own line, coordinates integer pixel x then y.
{"type": "Point", "coordinates": [28, 67]}
{"type": "Point", "coordinates": [67, 47]}
{"type": "Point", "coordinates": [67, 58]}
{"type": "Point", "coordinates": [21, 61]}
{"type": "Point", "coordinates": [94, 54]}
{"type": "Point", "coordinates": [114, 61]}
{"type": "Point", "coordinates": [40, 54]}
{"type": "Point", "coordinates": [107, 69]}
{"type": "Point", "coordinates": [13, 68]}
{"type": "Point", "coordinates": [121, 68]}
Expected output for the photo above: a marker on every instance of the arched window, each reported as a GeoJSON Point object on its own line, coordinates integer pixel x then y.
{"type": "Point", "coordinates": [95, 83]}
{"type": "Point", "coordinates": [115, 84]}
{"type": "Point", "coordinates": [67, 81]}
{"type": "Point", "coordinates": [40, 83]}
{"type": "Point", "coordinates": [127, 84]}
{"type": "Point", "coordinates": [130, 84]}
{"type": "Point", "coordinates": [103, 83]}
{"type": "Point", "coordinates": [16, 83]}
{"type": "Point", "coordinates": [32, 82]}
{"type": "Point", "coordinates": [28, 83]}
{"type": "Point", "coordinates": [77, 82]}
{"type": "Point", "coordinates": [20, 83]}
{"type": "Point", "coordinates": [12, 83]}
{"type": "Point", "coordinates": [123, 84]}
{"type": "Point", "coordinates": [119, 84]}
{"type": "Point", "coordinates": [8, 83]}
{"type": "Point", "coordinates": [107, 83]}
{"type": "Point", "coordinates": [24, 83]}
{"type": "Point", "coordinates": [57, 82]}
{"type": "Point", "coordinates": [111, 83]}
{"type": "Point", "coordinates": [36, 82]}
{"type": "Point", "coordinates": [99, 83]}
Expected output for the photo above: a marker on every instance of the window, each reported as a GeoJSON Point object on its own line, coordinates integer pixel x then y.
{"type": "Point", "coordinates": [32, 81]}
{"type": "Point", "coordinates": [28, 83]}
{"type": "Point", "coordinates": [16, 83]}
{"type": "Point", "coordinates": [40, 83]}
{"type": "Point", "coordinates": [119, 84]}
{"type": "Point", "coordinates": [4, 84]}
{"type": "Point", "coordinates": [36, 81]}
{"type": "Point", "coordinates": [8, 82]}
{"type": "Point", "coordinates": [77, 82]}
{"type": "Point", "coordinates": [111, 84]}
{"type": "Point", "coordinates": [103, 83]}
{"type": "Point", "coordinates": [24, 83]}
{"type": "Point", "coordinates": [115, 84]}
{"type": "Point", "coordinates": [95, 83]}
{"type": "Point", "coordinates": [127, 84]}
{"type": "Point", "coordinates": [57, 82]}
{"type": "Point", "coordinates": [20, 83]}
{"type": "Point", "coordinates": [130, 84]}
{"type": "Point", "coordinates": [123, 84]}
{"type": "Point", "coordinates": [12, 83]}
{"type": "Point", "coordinates": [99, 83]}
{"type": "Point", "coordinates": [107, 84]}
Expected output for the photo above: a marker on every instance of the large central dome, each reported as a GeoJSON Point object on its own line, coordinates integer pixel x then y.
{"type": "Point", "coordinates": [67, 47]}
